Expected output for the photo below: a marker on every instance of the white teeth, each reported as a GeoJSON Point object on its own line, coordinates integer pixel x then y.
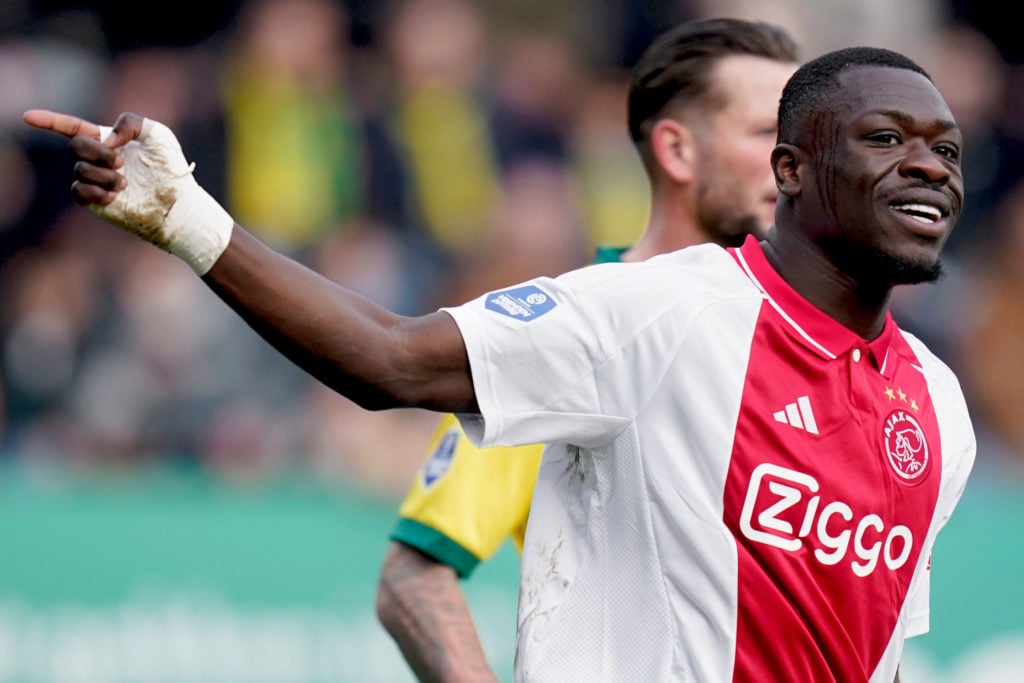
{"type": "Point", "coordinates": [920, 212]}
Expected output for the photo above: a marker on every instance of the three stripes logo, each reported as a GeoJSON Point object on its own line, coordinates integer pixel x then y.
{"type": "Point", "coordinates": [799, 415]}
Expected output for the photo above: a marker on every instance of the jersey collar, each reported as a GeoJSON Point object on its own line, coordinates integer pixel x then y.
{"type": "Point", "coordinates": [808, 324]}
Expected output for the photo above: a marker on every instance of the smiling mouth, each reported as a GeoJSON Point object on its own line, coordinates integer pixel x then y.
{"type": "Point", "coordinates": [922, 213]}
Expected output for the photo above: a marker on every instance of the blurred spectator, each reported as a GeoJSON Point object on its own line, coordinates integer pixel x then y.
{"type": "Point", "coordinates": [308, 158]}
{"type": "Point", "coordinates": [438, 52]}
{"type": "Point", "coordinates": [612, 180]}
{"type": "Point", "coordinates": [51, 305]}
{"type": "Point", "coordinates": [295, 147]}
{"type": "Point", "coordinates": [534, 94]}
{"type": "Point", "coordinates": [534, 228]}
{"type": "Point", "coordinates": [148, 365]}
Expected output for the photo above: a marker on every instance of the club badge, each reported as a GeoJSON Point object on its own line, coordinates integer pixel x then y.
{"type": "Point", "coordinates": [906, 446]}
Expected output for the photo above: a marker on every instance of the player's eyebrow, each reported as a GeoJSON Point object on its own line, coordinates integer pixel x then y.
{"type": "Point", "coordinates": [905, 118]}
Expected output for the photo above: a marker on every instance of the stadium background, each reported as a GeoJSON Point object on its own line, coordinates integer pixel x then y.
{"type": "Point", "coordinates": [178, 504]}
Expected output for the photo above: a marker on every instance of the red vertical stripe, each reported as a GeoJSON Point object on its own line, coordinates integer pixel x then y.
{"type": "Point", "coordinates": [822, 521]}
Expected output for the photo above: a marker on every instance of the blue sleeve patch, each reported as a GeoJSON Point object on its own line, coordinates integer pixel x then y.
{"type": "Point", "coordinates": [441, 459]}
{"type": "Point", "coordinates": [522, 303]}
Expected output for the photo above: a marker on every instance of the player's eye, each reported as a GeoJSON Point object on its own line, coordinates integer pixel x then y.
{"type": "Point", "coordinates": [886, 138]}
{"type": "Point", "coordinates": [951, 152]}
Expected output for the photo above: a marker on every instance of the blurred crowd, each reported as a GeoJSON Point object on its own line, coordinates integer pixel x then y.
{"type": "Point", "coordinates": [421, 152]}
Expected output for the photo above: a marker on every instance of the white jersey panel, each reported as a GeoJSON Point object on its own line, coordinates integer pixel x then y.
{"type": "Point", "coordinates": [959, 446]}
{"type": "Point", "coordinates": [605, 513]}
{"type": "Point", "coordinates": [648, 511]}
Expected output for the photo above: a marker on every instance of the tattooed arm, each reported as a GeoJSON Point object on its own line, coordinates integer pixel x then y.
{"type": "Point", "coordinates": [420, 604]}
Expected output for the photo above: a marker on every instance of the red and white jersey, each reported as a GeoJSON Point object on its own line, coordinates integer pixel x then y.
{"type": "Point", "coordinates": [736, 487]}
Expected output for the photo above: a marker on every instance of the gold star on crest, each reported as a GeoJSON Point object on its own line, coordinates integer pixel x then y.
{"type": "Point", "coordinates": [890, 393]}
{"type": "Point", "coordinates": [903, 397]}
{"type": "Point", "coordinates": [913, 405]}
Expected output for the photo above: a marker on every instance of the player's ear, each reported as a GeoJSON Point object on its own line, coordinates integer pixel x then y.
{"type": "Point", "coordinates": [673, 148]}
{"type": "Point", "coordinates": [788, 165]}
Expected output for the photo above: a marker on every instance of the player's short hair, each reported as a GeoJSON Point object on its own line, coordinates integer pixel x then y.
{"type": "Point", "coordinates": [676, 67]}
{"type": "Point", "coordinates": [818, 80]}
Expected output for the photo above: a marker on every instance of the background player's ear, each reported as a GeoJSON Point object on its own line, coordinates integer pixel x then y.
{"type": "Point", "coordinates": [788, 166]}
{"type": "Point", "coordinates": [672, 145]}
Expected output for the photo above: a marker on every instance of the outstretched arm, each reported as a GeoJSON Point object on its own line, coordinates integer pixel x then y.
{"type": "Point", "coordinates": [420, 604]}
{"type": "Point", "coordinates": [136, 178]}
{"type": "Point", "coordinates": [374, 357]}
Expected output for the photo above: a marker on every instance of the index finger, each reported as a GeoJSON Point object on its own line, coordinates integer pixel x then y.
{"type": "Point", "coordinates": [65, 124]}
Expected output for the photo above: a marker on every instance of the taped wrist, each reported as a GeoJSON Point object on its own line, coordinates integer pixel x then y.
{"type": "Point", "coordinates": [198, 228]}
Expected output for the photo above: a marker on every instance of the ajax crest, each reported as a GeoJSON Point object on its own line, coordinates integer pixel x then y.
{"type": "Point", "coordinates": [906, 446]}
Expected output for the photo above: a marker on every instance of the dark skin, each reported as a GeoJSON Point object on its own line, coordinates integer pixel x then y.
{"type": "Point", "coordinates": [376, 358]}
{"type": "Point", "coordinates": [878, 170]}
{"type": "Point", "coordinates": [878, 147]}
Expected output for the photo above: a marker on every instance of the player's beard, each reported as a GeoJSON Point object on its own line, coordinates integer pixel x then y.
{"type": "Point", "coordinates": [724, 223]}
{"type": "Point", "coordinates": [870, 264]}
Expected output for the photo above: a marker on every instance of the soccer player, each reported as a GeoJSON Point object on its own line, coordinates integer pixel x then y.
{"type": "Point", "coordinates": [747, 461]}
{"type": "Point", "coordinates": [702, 104]}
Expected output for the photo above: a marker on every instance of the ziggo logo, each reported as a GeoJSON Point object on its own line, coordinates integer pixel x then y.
{"type": "Point", "coordinates": [782, 490]}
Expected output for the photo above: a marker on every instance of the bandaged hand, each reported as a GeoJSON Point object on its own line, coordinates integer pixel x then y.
{"type": "Point", "coordinates": [158, 199]}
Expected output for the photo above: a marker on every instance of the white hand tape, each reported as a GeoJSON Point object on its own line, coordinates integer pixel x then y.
{"type": "Point", "coordinates": [163, 203]}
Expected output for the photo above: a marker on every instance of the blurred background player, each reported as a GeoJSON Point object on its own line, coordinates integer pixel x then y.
{"type": "Point", "coordinates": [702, 106]}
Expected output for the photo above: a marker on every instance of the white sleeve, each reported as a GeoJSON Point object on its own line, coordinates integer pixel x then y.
{"type": "Point", "coordinates": [959, 449]}
{"type": "Point", "coordinates": [561, 360]}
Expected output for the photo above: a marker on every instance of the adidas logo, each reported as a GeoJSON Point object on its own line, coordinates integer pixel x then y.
{"type": "Point", "coordinates": [799, 415]}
